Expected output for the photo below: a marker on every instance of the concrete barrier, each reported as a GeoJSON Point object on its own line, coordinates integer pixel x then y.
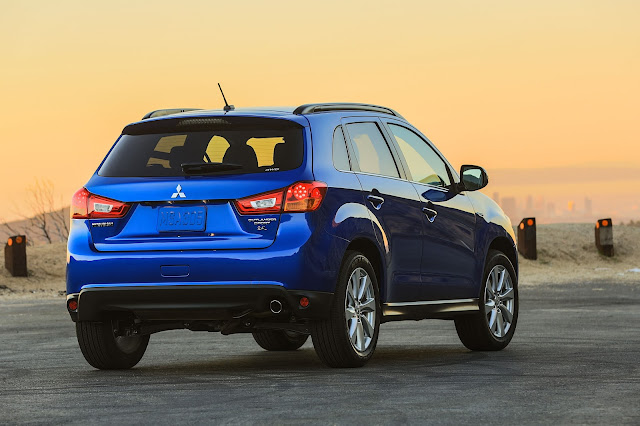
{"type": "Point", "coordinates": [527, 238]}
{"type": "Point", "coordinates": [604, 236]}
{"type": "Point", "coordinates": [15, 255]}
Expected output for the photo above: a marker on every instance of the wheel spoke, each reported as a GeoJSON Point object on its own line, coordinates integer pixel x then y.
{"type": "Point", "coordinates": [499, 325]}
{"type": "Point", "coordinates": [364, 285]}
{"type": "Point", "coordinates": [494, 279]}
{"type": "Point", "coordinates": [368, 305]}
{"type": "Point", "coordinates": [492, 319]}
{"type": "Point", "coordinates": [353, 288]}
{"type": "Point", "coordinates": [352, 329]}
{"type": "Point", "coordinates": [501, 280]}
{"type": "Point", "coordinates": [360, 344]}
{"type": "Point", "coordinates": [367, 326]}
{"type": "Point", "coordinates": [507, 295]}
{"type": "Point", "coordinates": [489, 306]}
{"type": "Point", "coordinates": [506, 314]}
{"type": "Point", "coordinates": [490, 292]}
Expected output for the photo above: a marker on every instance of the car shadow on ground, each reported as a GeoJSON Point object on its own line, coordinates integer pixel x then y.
{"type": "Point", "coordinates": [303, 362]}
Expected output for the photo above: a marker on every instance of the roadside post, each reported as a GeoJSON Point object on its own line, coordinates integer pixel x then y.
{"type": "Point", "coordinates": [15, 255]}
{"type": "Point", "coordinates": [604, 237]}
{"type": "Point", "coordinates": [527, 238]}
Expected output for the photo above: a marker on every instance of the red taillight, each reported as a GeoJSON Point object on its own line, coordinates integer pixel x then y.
{"type": "Point", "coordinates": [299, 197]}
{"type": "Point", "coordinates": [304, 196]}
{"type": "Point", "coordinates": [268, 202]}
{"type": "Point", "coordinates": [86, 205]}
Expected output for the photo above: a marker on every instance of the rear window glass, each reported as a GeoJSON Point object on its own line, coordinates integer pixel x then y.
{"type": "Point", "coordinates": [258, 145]}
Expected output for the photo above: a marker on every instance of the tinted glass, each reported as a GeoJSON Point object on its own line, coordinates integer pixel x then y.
{"type": "Point", "coordinates": [424, 163]}
{"type": "Point", "coordinates": [371, 150]}
{"type": "Point", "coordinates": [141, 152]}
{"type": "Point", "coordinates": [340, 157]}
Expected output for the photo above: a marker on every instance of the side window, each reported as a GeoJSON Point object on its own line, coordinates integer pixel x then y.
{"type": "Point", "coordinates": [340, 156]}
{"type": "Point", "coordinates": [424, 163]}
{"type": "Point", "coordinates": [371, 150]}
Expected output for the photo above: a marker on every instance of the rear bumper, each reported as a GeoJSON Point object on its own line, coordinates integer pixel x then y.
{"type": "Point", "coordinates": [196, 302]}
{"type": "Point", "coordinates": [299, 259]}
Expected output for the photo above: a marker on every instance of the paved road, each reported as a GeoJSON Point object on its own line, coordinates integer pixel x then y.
{"type": "Point", "coordinates": [575, 359]}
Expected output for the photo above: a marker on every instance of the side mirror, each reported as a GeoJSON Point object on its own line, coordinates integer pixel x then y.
{"type": "Point", "coordinates": [473, 178]}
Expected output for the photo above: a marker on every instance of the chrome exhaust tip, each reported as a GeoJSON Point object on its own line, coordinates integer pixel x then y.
{"type": "Point", "coordinates": [275, 306]}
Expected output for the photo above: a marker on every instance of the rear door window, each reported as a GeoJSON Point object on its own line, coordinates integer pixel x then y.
{"type": "Point", "coordinates": [257, 145]}
{"type": "Point", "coordinates": [371, 150]}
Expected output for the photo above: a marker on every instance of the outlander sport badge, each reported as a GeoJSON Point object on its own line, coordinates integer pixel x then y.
{"type": "Point", "coordinates": [179, 193]}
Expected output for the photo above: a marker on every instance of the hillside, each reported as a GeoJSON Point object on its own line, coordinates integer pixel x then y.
{"type": "Point", "coordinates": [566, 254]}
{"type": "Point", "coordinates": [56, 222]}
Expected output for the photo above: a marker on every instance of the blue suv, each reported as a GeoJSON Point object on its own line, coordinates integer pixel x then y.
{"type": "Point", "coordinates": [323, 220]}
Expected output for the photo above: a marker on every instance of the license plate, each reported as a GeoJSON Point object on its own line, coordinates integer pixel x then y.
{"type": "Point", "coordinates": [171, 219]}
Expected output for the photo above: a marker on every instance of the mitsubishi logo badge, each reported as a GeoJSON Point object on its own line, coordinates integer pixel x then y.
{"type": "Point", "coordinates": [178, 193]}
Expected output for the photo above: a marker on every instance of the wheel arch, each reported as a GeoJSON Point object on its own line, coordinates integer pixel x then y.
{"type": "Point", "coordinates": [504, 245]}
{"type": "Point", "coordinates": [372, 252]}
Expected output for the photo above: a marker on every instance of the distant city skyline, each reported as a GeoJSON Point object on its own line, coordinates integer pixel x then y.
{"type": "Point", "coordinates": [567, 211]}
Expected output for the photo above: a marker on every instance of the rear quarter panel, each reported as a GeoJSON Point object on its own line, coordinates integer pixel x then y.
{"type": "Point", "coordinates": [345, 214]}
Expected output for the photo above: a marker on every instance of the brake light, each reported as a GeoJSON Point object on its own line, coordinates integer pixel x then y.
{"type": "Point", "coordinates": [268, 202]}
{"type": "Point", "coordinates": [299, 197]}
{"type": "Point", "coordinates": [304, 196]}
{"type": "Point", "coordinates": [86, 205]}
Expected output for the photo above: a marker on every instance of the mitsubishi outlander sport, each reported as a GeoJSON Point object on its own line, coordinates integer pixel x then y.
{"type": "Point", "coordinates": [324, 220]}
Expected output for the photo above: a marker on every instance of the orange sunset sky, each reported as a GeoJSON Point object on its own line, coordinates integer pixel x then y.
{"type": "Point", "coordinates": [545, 86]}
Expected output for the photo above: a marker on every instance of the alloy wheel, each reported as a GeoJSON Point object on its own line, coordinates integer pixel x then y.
{"type": "Point", "coordinates": [499, 301]}
{"type": "Point", "coordinates": [360, 310]}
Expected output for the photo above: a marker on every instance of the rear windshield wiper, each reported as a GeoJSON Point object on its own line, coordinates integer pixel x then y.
{"type": "Point", "coordinates": [205, 168]}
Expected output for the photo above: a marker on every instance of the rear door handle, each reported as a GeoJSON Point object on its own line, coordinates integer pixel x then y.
{"type": "Point", "coordinates": [431, 213]}
{"type": "Point", "coordinates": [375, 201]}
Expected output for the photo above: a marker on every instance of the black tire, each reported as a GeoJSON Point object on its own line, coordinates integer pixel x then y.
{"type": "Point", "coordinates": [331, 336]}
{"type": "Point", "coordinates": [103, 350]}
{"type": "Point", "coordinates": [474, 330]}
{"type": "Point", "coordinates": [279, 340]}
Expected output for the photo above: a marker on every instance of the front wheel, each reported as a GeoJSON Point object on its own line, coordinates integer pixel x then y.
{"type": "Point", "coordinates": [349, 336]}
{"type": "Point", "coordinates": [492, 328]}
{"type": "Point", "coordinates": [104, 349]}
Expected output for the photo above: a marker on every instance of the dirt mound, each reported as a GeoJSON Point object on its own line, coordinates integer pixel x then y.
{"type": "Point", "coordinates": [567, 253]}
{"type": "Point", "coordinates": [46, 264]}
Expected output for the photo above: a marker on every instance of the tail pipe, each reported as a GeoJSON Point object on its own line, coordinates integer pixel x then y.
{"type": "Point", "coordinates": [275, 306]}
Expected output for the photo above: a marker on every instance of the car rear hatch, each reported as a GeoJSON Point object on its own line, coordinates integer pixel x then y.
{"type": "Point", "coordinates": [180, 178]}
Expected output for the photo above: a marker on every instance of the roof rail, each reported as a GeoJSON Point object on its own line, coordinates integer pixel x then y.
{"type": "Point", "coordinates": [169, 111]}
{"type": "Point", "coordinates": [343, 106]}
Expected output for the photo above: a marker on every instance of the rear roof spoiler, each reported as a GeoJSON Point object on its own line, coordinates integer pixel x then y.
{"type": "Point", "coordinates": [169, 111]}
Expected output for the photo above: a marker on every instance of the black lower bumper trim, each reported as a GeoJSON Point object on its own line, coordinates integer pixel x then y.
{"type": "Point", "coordinates": [198, 302]}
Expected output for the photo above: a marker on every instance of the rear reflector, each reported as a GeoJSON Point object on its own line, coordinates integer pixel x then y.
{"type": "Point", "coordinates": [72, 305]}
{"type": "Point", "coordinates": [299, 197]}
{"type": "Point", "coordinates": [86, 205]}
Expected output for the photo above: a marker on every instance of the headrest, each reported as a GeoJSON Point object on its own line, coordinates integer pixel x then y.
{"type": "Point", "coordinates": [241, 154]}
